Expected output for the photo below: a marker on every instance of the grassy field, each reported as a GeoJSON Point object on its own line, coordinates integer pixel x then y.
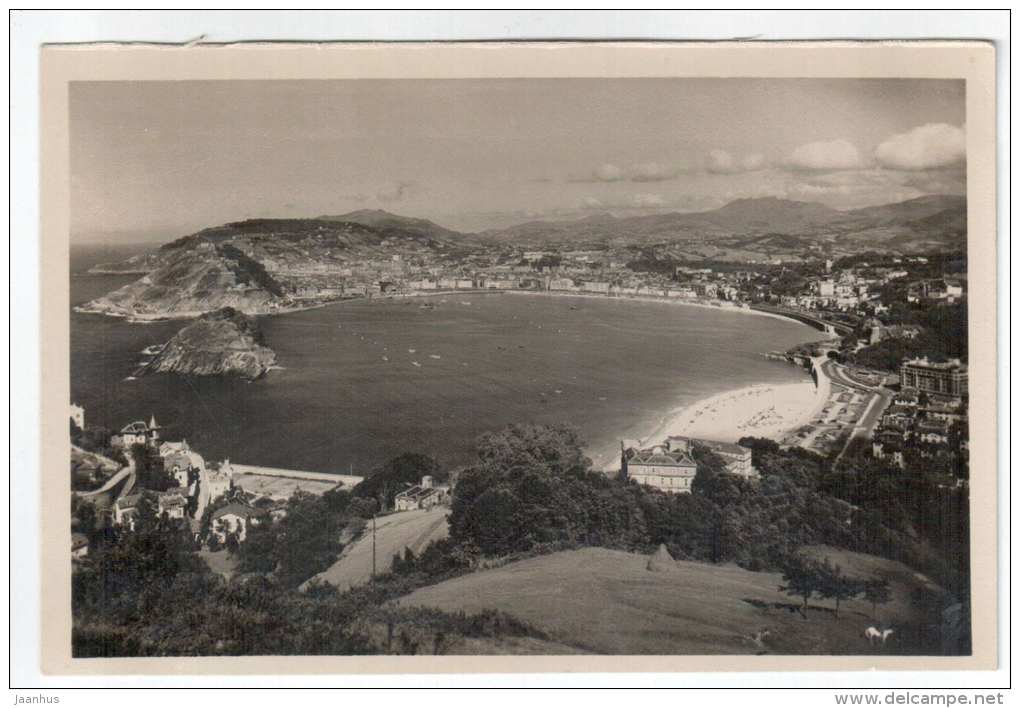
{"type": "Point", "coordinates": [603, 601]}
{"type": "Point", "coordinates": [394, 533]}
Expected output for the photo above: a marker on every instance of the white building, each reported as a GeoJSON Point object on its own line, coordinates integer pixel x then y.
{"type": "Point", "coordinates": [421, 496]}
{"type": "Point", "coordinates": [78, 415]}
{"type": "Point", "coordinates": [137, 433]}
{"type": "Point", "coordinates": [219, 479]}
{"type": "Point", "coordinates": [235, 518]}
{"type": "Point", "coordinates": [671, 471]}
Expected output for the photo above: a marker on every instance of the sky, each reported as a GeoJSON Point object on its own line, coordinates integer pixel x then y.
{"type": "Point", "coordinates": [154, 160]}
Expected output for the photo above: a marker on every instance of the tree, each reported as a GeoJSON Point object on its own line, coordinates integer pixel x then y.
{"type": "Point", "coordinates": [555, 448]}
{"type": "Point", "coordinates": [709, 467]}
{"type": "Point", "coordinates": [87, 518]}
{"type": "Point", "coordinates": [835, 585]}
{"type": "Point", "coordinates": [759, 448]}
{"type": "Point", "coordinates": [304, 542]}
{"type": "Point", "coordinates": [877, 592]}
{"type": "Point", "coordinates": [384, 483]}
{"type": "Point", "coordinates": [232, 543]}
{"type": "Point", "coordinates": [801, 579]}
{"type": "Point", "coordinates": [149, 469]}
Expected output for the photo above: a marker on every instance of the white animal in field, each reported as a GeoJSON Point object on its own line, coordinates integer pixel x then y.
{"type": "Point", "coordinates": [758, 639]}
{"type": "Point", "coordinates": [873, 635]}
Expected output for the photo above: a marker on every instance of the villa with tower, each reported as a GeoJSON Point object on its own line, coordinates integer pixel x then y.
{"type": "Point", "coordinates": [138, 433]}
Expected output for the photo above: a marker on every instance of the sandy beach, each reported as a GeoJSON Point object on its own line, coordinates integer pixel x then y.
{"type": "Point", "coordinates": [766, 411]}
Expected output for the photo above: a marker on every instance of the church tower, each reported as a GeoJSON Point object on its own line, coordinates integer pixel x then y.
{"type": "Point", "coordinates": [154, 429]}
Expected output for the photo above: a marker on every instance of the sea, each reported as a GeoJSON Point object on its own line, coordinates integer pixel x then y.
{"type": "Point", "coordinates": [363, 381]}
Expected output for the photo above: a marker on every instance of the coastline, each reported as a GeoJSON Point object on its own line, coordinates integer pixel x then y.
{"type": "Point", "coordinates": [771, 411]}
{"type": "Point", "coordinates": [717, 305]}
{"type": "Point", "coordinates": [761, 410]}
{"type": "Point", "coordinates": [683, 302]}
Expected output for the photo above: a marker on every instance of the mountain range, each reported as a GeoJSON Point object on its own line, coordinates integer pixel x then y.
{"type": "Point", "coordinates": [251, 265]}
{"type": "Point", "coordinates": [936, 217]}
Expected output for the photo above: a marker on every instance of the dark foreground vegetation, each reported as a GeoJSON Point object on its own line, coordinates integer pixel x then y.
{"type": "Point", "coordinates": [531, 491]}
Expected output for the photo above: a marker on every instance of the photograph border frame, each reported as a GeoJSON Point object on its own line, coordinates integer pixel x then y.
{"type": "Point", "coordinates": [61, 64]}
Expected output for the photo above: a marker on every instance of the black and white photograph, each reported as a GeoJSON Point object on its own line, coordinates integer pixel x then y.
{"type": "Point", "coordinates": [456, 358]}
{"type": "Point", "coordinates": [664, 366]}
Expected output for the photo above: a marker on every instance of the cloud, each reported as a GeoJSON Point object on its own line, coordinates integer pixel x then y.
{"type": "Point", "coordinates": [926, 147]}
{"type": "Point", "coordinates": [722, 162]}
{"type": "Point", "coordinates": [643, 172]}
{"type": "Point", "coordinates": [395, 192]}
{"type": "Point", "coordinates": [651, 172]}
{"type": "Point", "coordinates": [608, 173]}
{"type": "Point", "coordinates": [648, 200]}
{"type": "Point", "coordinates": [825, 155]}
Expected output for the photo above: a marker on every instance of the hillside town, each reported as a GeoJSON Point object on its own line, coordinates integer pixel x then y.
{"type": "Point", "coordinates": [217, 502]}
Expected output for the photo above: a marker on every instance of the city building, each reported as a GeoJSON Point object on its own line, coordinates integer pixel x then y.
{"type": "Point", "coordinates": [737, 457]}
{"type": "Point", "coordinates": [125, 510]}
{"type": "Point", "coordinates": [671, 471]}
{"type": "Point", "coordinates": [173, 502]}
{"type": "Point", "coordinates": [78, 416]}
{"type": "Point", "coordinates": [235, 518]}
{"type": "Point", "coordinates": [595, 286]}
{"type": "Point", "coordinates": [79, 546]}
{"type": "Point", "coordinates": [932, 432]}
{"type": "Point", "coordinates": [421, 496]}
{"type": "Point", "coordinates": [948, 378]}
{"type": "Point", "coordinates": [167, 448]}
{"type": "Point", "coordinates": [219, 480]}
{"type": "Point", "coordinates": [137, 433]}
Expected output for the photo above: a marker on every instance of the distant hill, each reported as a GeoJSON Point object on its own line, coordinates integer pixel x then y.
{"type": "Point", "coordinates": [912, 209]}
{"type": "Point", "coordinates": [254, 265]}
{"type": "Point", "coordinates": [191, 280]}
{"type": "Point", "coordinates": [386, 221]}
{"type": "Point", "coordinates": [938, 218]}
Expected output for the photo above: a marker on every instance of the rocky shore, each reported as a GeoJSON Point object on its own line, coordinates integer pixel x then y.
{"type": "Point", "coordinates": [224, 342]}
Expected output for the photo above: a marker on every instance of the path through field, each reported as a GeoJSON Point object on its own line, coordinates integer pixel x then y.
{"type": "Point", "coordinates": [393, 533]}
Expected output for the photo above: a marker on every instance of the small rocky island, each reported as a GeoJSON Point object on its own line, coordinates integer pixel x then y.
{"type": "Point", "coordinates": [224, 342]}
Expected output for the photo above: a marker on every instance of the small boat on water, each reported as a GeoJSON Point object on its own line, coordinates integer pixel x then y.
{"type": "Point", "coordinates": [411, 351]}
{"type": "Point", "coordinates": [130, 378]}
{"type": "Point", "coordinates": [434, 356]}
{"type": "Point", "coordinates": [416, 364]}
{"type": "Point", "coordinates": [153, 349]}
{"type": "Point", "coordinates": [385, 358]}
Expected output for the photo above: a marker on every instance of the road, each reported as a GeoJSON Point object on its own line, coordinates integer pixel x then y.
{"type": "Point", "coordinates": [127, 472]}
{"type": "Point", "coordinates": [839, 376]}
{"type": "Point", "coordinates": [393, 533]}
{"type": "Point", "coordinates": [865, 426]}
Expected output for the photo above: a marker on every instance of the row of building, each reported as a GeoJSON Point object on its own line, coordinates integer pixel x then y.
{"type": "Point", "coordinates": [928, 414]}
